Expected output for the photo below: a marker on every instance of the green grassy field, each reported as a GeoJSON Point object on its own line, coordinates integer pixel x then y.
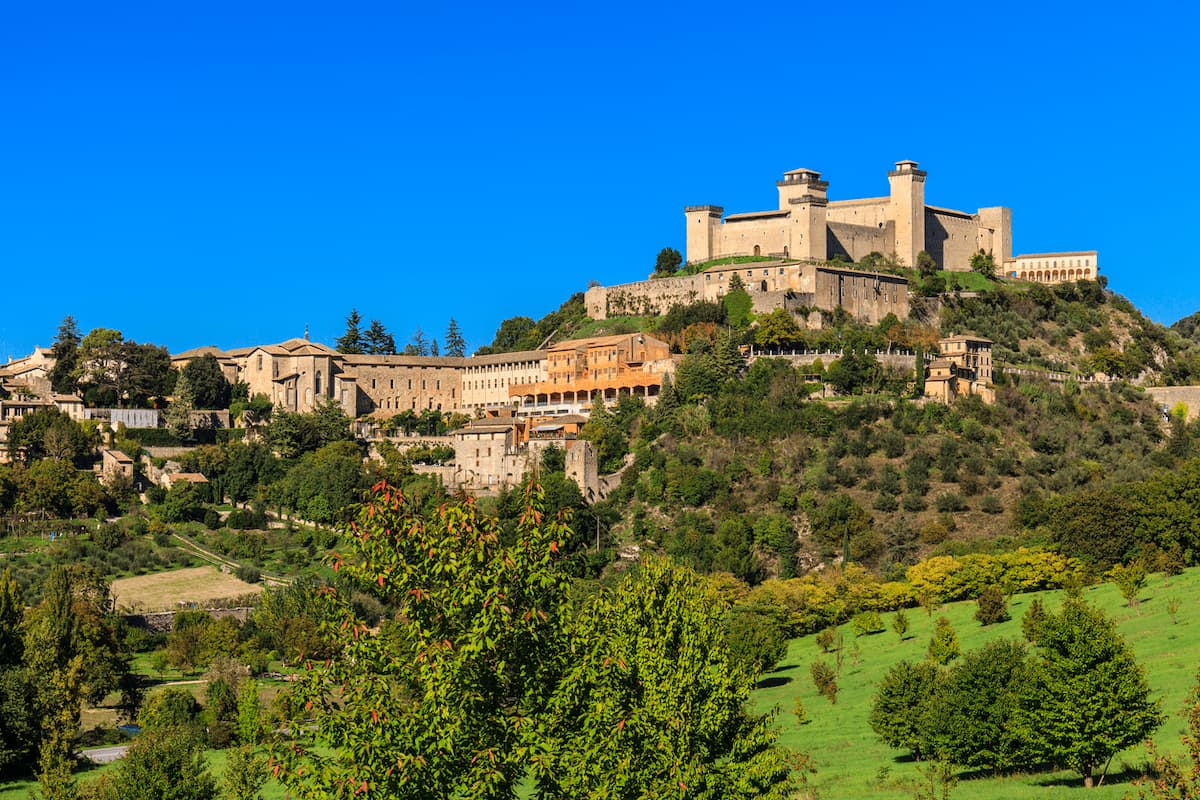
{"type": "Point", "coordinates": [851, 762]}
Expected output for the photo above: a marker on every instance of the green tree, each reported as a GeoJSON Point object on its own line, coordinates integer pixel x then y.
{"type": "Point", "coordinates": [926, 266]}
{"type": "Point", "coordinates": [1086, 698]}
{"type": "Point", "coordinates": [602, 430]}
{"type": "Point", "coordinates": [442, 701]}
{"type": "Point", "coordinates": [65, 350]}
{"type": "Point", "coordinates": [513, 334]}
{"type": "Point", "coordinates": [377, 341]}
{"type": "Point", "coordinates": [756, 636]}
{"type": "Point", "coordinates": [245, 773]}
{"type": "Point", "coordinates": [943, 647]}
{"type": "Point", "coordinates": [164, 764]}
{"type": "Point", "coordinates": [778, 329]}
{"type": "Point", "coordinates": [49, 433]}
{"type": "Point", "coordinates": [900, 704]}
{"type": "Point", "coordinates": [984, 264]}
{"type": "Point", "coordinates": [179, 414]}
{"type": "Point", "coordinates": [351, 342]}
{"type": "Point", "coordinates": [456, 345]}
{"type": "Point", "coordinates": [991, 605]}
{"type": "Point", "coordinates": [900, 623]}
{"type": "Point", "coordinates": [174, 708]}
{"type": "Point", "coordinates": [1130, 580]}
{"type": "Point", "coordinates": [652, 704]}
{"type": "Point", "coordinates": [209, 387]}
{"type": "Point", "coordinates": [969, 720]}
{"type": "Point", "coordinates": [418, 345]}
{"type": "Point", "coordinates": [667, 262]}
{"type": "Point", "coordinates": [738, 303]}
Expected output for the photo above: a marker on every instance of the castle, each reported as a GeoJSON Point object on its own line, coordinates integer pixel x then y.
{"type": "Point", "coordinates": [809, 226]}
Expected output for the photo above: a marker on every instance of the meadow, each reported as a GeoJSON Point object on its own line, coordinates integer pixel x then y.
{"type": "Point", "coordinates": [851, 762]}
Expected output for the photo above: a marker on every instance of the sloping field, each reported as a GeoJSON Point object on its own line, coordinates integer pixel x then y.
{"type": "Point", "coordinates": [164, 591]}
{"type": "Point", "coordinates": [852, 762]}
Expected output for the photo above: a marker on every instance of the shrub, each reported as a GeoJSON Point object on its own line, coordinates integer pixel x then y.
{"type": "Point", "coordinates": [886, 503]}
{"type": "Point", "coordinates": [867, 622]}
{"type": "Point", "coordinates": [943, 647]}
{"type": "Point", "coordinates": [825, 639]}
{"type": "Point", "coordinates": [248, 574]}
{"type": "Point", "coordinates": [990, 504]}
{"type": "Point", "coordinates": [950, 501]}
{"type": "Point", "coordinates": [825, 680]}
{"type": "Point", "coordinates": [991, 606]}
{"type": "Point", "coordinates": [913, 503]}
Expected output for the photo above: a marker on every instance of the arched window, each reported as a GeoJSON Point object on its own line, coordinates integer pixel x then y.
{"type": "Point", "coordinates": [757, 250]}
{"type": "Point", "coordinates": [318, 383]}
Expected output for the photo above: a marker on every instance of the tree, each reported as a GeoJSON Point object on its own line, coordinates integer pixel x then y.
{"type": "Point", "coordinates": [824, 679]}
{"type": "Point", "coordinates": [969, 720]}
{"type": "Point", "coordinates": [209, 387]}
{"type": "Point", "coordinates": [49, 433]}
{"type": "Point", "coordinates": [737, 302]}
{"type": "Point", "coordinates": [513, 334]}
{"type": "Point", "coordinates": [652, 704]}
{"type": "Point", "coordinates": [456, 345]}
{"type": "Point", "coordinates": [926, 266]}
{"type": "Point", "coordinates": [1086, 698]}
{"type": "Point", "coordinates": [900, 703]}
{"type": "Point", "coordinates": [991, 605]}
{"type": "Point", "coordinates": [778, 329]}
{"type": "Point", "coordinates": [351, 341]}
{"type": "Point", "coordinates": [179, 414]}
{"type": "Point", "coordinates": [900, 623]}
{"type": "Point", "coordinates": [667, 262]}
{"type": "Point", "coordinates": [756, 636]}
{"type": "Point", "coordinates": [417, 345]}
{"type": "Point", "coordinates": [161, 764]}
{"type": "Point", "coordinates": [1130, 580]}
{"type": "Point", "coordinates": [984, 264]}
{"type": "Point", "coordinates": [245, 773]}
{"type": "Point", "coordinates": [378, 341]}
{"type": "Point", "coordinates": [943, 647]}
{"type": "Point", "coordinates": [442, 701]}
{"type": "Point", "coordinates": [65, 350]}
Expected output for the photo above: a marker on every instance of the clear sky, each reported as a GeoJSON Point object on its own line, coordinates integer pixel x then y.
{"type": "Point", "coordinates": [228, 173]}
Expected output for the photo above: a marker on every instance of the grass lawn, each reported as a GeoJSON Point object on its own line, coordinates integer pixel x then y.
{"type": "Point", "coordinates": [166, 590]}
{"type": "Point", "coordinates": [851, 762]}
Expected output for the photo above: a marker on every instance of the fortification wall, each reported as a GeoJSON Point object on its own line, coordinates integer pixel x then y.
{"type": "Point", "coordinates": [1170, 396]}
{"type": "Point", "coordinates": [872, 212]}
{"type": "Point", "coordinates": [951, 239]}
{"type": "Point", "coordinates": [855, 241]}
{"type": "Point", "coordinates": [643, 297]}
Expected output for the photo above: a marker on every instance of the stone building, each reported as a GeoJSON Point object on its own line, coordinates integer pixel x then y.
{"type": "Point", "coordinates": [497, 450]}
{"type": "Point", "coordinates": [808, 225]}
{"type": "Point", "coordinates": [868, 296]}
{"type": "Point", "coordinates": [1051, 268]}
{"type": "Point", "coordinates": [579, 370]}
{"type": "Point", "coordinates": [964, 367]}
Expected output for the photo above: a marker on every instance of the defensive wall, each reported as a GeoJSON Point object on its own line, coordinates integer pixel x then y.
{"type": "Point", "coordinates": [1171, 396]}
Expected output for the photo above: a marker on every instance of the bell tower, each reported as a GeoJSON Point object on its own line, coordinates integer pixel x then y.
{"type": "Point", "coordinates": [908, 210]}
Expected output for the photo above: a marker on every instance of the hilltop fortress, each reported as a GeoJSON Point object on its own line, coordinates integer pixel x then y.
{"type": "Point", "coordinates": [795, 244]}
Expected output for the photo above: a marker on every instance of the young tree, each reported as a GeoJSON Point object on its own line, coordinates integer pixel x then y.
{"type": "Point", "coordinates": [667, 262]}
{"type": "Point", "coordinates": [900, 623]}
{"type": "Point", "coordinates": [164, 763]}
{"type": "Point", "coordinates": [351, 341]}
{"type": "Point", "coordinates": [737, 302]}
{"type": "Point", "coordinates": [1130, 580]}
{"type": "Point", "coordinates": [943, 647]}
{"type": "Point", "coordinates": [1087, 697]}
{"type": "Point", "coordinates": [652, 704]}
{"type": "Point", "coordinates": [991, 605]}
{"type": "Point", "coordinates": [456, 345]}
{"type": "Point", "coordinates": [1174, 779]}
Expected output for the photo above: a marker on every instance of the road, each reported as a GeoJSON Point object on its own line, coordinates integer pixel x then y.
{"type": "Point", "coordinates": [104, 755]}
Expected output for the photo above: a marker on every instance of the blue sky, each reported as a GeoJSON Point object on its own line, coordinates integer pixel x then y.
{"type": "Point", "coordinates": [228, 173]}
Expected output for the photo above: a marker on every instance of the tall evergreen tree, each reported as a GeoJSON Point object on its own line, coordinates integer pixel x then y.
{"type": "Point", "coordinates": [433, 348]}
{"type": "Point", "coordinates": [417, 345]}
{"type": "Point", "coordinates": [65, 351]}
{"type": "Point", "coordinates": [351, 342]}
{"type": "Point", "coordinates": [12, 610]}
{"type": "Point", "coordinates": [378, 341]}
{"type": "Point", "coordinates": [456, 345]}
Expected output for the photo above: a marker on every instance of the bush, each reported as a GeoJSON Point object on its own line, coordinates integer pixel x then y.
{"type": "Point", "coordinates": [943, 647]}
{"type": "Point", "coordinates": [913, 503]}
{"type": "Point", "coordinates": [825, 640]}
{"type": "Point", "coordinates": [991, 606]}
{"type": "Point", "coordinates": [867, 622]}
{"type": "Point", "coordinates": [248, 574]}
{"type": "Point", "coordinates": [825, 679]}
{"type": "Point", "coordinates": [950, 501]}
{"type": "Point", "coordinates": [990, 504]}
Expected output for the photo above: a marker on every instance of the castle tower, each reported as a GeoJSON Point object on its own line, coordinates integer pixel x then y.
{"type": "Point", "coordinates": [995, 233]}
{"type": "Point", "coordinates": [703, 233]}
{"type": "Point", "coordinates": [908, 210]}
{"type": "Point", "coordinates": [804, 195]}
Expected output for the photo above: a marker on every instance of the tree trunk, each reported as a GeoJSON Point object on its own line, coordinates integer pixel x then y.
{"type": "Point", "coordinates": [1088, 781]}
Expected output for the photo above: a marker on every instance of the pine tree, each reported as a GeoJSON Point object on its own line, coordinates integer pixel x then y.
{"type": "Point", "coordinates": [65, 351]}
{"type": "Point", "coordinates": [417, 346]}
{"type": "Point", "coordinates": [433, 348]}
{"type": "Point", "coordinates": [378, 341]}
{"type": "Point", "coordinates": [351, 342]}
{"type": "Point", "coordinates": [180, 411]}
{"type": "Point", "coordinates": [456, 345]}
{"type": "Point", "coordinates": [728, 356]}
{"type": "Point", "coordinates": [12, 610]}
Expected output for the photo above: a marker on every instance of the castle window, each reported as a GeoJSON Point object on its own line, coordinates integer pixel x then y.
{"type": "Point", "coordinates": [260, 362]}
